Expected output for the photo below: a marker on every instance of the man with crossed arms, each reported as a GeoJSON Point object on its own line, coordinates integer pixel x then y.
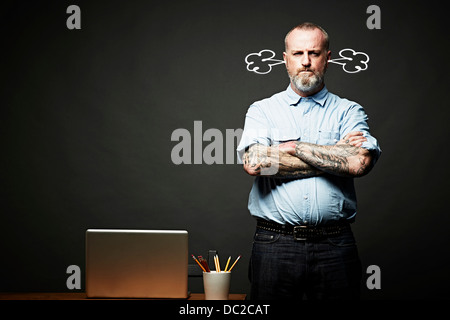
{"type": "Point", "coordinates": [305, 146]}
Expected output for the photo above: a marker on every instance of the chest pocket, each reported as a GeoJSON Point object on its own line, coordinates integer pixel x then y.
{"type": "Point", "coordinates": [328, 138]}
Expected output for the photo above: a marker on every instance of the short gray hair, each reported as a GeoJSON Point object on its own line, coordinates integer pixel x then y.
{"type": "Point", "coordinates": [309, 26]}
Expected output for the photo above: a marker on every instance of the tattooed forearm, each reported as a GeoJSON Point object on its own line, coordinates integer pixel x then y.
{"type": "Point", "coordinates": [341, 159]}
{"type": "Point", "coordinates": [263, 160]}
{"type": "Point", "coordinates": [295, 159]}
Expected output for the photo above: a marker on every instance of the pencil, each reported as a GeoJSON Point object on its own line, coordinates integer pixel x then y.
{"type": "Point", "coordinates": [198, 263]}
{"type": "Point", "coordinates": [234, 263]}
{"type": "Point", "coordinates": [205, 264]}
{"type": "Point", "coordinates": [228, 262]}
{"type": "Point", "coordinates": [216, 258]}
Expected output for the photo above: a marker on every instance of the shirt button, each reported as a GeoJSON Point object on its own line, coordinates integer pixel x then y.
{"type": "Point", "coordinates": [305, 197]}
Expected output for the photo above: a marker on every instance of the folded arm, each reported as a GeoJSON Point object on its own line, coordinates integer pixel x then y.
{"type": "Point", "coordinates": [294, 159]}
{"type": "Point", "coordinates": [343, 159]}
{"type": "Point", "coordinates": [263, 160]}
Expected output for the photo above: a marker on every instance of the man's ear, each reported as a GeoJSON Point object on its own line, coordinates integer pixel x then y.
{"type": "Point", "coordinates": [328, 57]}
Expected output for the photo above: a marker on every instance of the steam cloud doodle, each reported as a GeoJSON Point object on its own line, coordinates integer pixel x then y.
{"type": "Point", "coordinates": [350, 60]}
{"type": "Point", "coordinates": [261, 62]}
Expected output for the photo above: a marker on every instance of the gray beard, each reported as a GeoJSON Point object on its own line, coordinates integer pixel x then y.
{"type": "Point", "coordinates": [307, 84]}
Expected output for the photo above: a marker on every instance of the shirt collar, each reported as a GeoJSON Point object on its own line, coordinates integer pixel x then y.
{"type": "Point", "coordinates": [320, 97]}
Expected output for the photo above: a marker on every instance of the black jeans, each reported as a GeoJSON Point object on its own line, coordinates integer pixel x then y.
{"type": "Point", "coordinates": [284, 268]}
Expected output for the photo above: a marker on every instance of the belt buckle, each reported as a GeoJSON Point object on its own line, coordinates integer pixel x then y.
{"type": "Point", "coordinates": [299, 233]}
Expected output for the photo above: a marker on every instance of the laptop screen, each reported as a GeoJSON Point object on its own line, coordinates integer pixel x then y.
{"type": "Point", "coordinates": [124, 263]}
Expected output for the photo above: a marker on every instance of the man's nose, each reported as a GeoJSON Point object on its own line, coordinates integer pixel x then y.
{"type": "Point", "coordinates": [306, 61]}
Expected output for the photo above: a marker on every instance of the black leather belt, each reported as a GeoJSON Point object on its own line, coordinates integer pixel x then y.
{"type": "Point", "coordinates": [303, 232]}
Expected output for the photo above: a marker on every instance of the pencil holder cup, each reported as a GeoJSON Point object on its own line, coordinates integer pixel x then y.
{"type": "Point", "coordinates": [216, 285]}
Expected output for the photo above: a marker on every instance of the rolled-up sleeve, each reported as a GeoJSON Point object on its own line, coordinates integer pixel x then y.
{"type": "Point", "coordinates": [355, 119]}
{"type": "Point", "coordinates": [255, 131]}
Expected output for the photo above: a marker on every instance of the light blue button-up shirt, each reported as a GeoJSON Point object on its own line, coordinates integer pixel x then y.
{"type": "Point", "coordinates": [323, 119]}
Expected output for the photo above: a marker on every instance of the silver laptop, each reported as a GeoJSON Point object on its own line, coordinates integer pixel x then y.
{"type": "Point", "coordinates": [136, 263]}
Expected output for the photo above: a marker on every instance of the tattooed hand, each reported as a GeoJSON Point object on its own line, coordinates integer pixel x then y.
{"type": "Point", "coordinates": [256, 159]}
{"type": "Point", "coordinates": [287, 147]}
{"type": "Point", "coordinates": [355, 139]}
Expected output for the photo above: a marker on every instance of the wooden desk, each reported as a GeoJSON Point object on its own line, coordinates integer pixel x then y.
{"type": "Point", "coordinates": [82, 296]}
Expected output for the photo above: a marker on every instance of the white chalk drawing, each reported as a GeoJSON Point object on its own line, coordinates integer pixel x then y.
{"type": "Point", "coordinates": [350, 60]}
{"type": "Point", "coordinates": [262, 62]}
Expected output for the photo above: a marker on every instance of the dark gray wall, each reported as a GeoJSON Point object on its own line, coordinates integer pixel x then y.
{"type": "Point", "coordinates": [87, 117]}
